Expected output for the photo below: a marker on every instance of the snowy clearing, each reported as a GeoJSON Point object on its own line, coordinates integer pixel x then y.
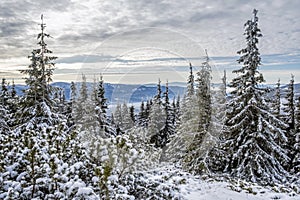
{"type": "Point", "coordinates": [196, 188]}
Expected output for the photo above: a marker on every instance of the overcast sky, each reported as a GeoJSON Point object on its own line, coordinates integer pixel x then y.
{"type": "Point", "coordinates": [140, 40]}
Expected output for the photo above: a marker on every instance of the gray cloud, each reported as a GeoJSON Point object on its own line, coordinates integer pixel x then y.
{"type": "Point", "coordinates": [205, 21]}
{"type": "Point", "coordinates": [79, 27]}
{"type": "Point", "coordinates": [19, 19]}
{"type": "Point", "coordinates": [85, 59]}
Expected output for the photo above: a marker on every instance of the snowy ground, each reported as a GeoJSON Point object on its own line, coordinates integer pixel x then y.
{"type": "Point", "coordinates": [195, 188]}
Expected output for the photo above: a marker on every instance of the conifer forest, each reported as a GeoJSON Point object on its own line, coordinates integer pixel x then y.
{"type": "Point", "coordinates": [240, 133]}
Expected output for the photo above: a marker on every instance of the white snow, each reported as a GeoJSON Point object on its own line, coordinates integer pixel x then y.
{"type": "Point", "coordinates": [196, 188]}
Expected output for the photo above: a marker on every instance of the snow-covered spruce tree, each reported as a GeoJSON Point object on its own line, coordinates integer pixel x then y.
{"type": "Point", "coordinates": [70, 105]}
{"type": "Point", "coordinates": [3, 119]}
{"type": "Point", "coordinates": [80, 103]}
{"type": "Point", "coordinates": [289, 107]}
{"type": "Point", "coordinates": [13, 103]}
{"type": "Point", "coordinates": [13, 92]}
{"type": "Point", "coordinates": [203, 94]}
{"type": "Point", "coordinates": [149, 104]}
{"type": "Point", "coordinates": [4, 92]}
{"type": "Point", "coordinates": [4, 107]}
{"type": "Point", "coordinates": [156, 117]}
{"type": "Point", "coordinates": [296, 159]}
{"type": "Point", "coordinates": [90, 111]}
{"type": "Point", "coordinates": [60, 101]}
{"type": "Point", "coordinates": [188, 110]}
{"type": "Point", "coordinates": [176, 112]}
{"type": "Point", "coordinates": [168, 128]}
{"type": "Point", "coordinates": [191, 83]}
{"type": "Point", "coordinates": [84, 111]}
{"type": "Point", "coordinates": [101, 109]}
{"type": "Point", "coordinates": [36, 104]}
{"type": "Point", "coordinates": [276, 101]}
{"type": "Point", "coordinates": [118, 118]}
{"type": "Point", "coordinates": [194, 161]}
{"type": "Point", "coordinates": [4, 129]}
{"type": "Point", "coordinates": [289, 118]}
{"type": "Point", "coordinates": [132, 114]}
{"type": "Point", "coordinates": [9, 102]}
{"type": "Point", "coordinates": [296, 146]}
{"type": "Point", "coordinates": [186, 123]}
{"type": "Point", "coordinates": [141, 116]}
{"type": "Point", "coordinates": [218, 109]}
{"type": "Point", "coordinates": [219, 102]}
{"type": "Point", "coordinates": [173, 105]}
{"type": "Point", "coordinates": [215, 158]}
{"type": "Point", "coordinates": [188, 98]}
{"type": "Point", "coordinates": [127, 120]}
{"type": "Point", "coordinates": [73, 92]}
{"type": "Point", "coordinates": [251, 150]}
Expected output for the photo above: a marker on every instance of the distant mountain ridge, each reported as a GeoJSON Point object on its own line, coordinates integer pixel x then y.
{"type": "Point", "coordinates": [119, 93]}
{"type": "Point", "coordinates": [133, 93]}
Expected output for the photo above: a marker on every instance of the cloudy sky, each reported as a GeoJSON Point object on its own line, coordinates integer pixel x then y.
{"type": "Point", "coordinates": [134, 41]}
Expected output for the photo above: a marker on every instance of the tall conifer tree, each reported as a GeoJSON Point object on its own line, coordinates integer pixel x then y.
{"type": "Point", "coordinates": [196, 150]}
{"type": "Point", "coordinates": [289, 106]}
{"type": "Point", "coordinates": [276, 101]}
{"type": "Point", "coordinates": [156, 115]}
{"type": "Point", "coordinates": [101, 108]}
{"type": "Point", "coordinates": [168, 128]}
{"type": "Point", "coordinates": [37, 105]}
{"type": "Point", "coordinates": [296, 146]}
{"type": "Point", "coordinates": [251, 150]}
{"type": "Point", "coordinates": [191, 82]}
